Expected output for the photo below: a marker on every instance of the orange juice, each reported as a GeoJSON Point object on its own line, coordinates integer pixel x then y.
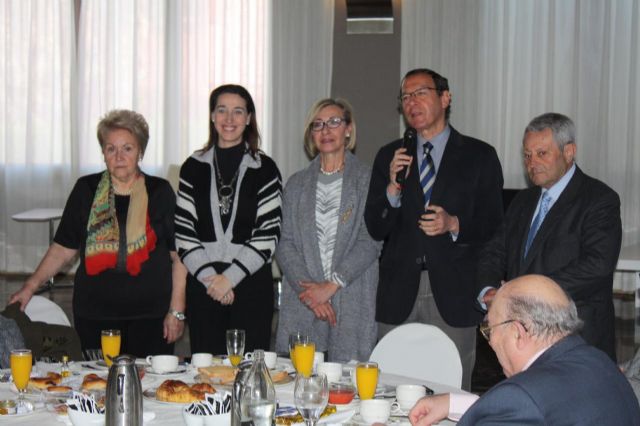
{"type": "Point", "coordinates": [110, 340]}
{"type": "Point", "coordinates": [304, 353]}
{"type": "Point", "coordinates": [235, 359]}
{"type": "Point", "coordinates": [292, 353]}
{"type": "Point", "coordinates": [21, 361]}
{"type": "Point", "coordinates": [367, 379]}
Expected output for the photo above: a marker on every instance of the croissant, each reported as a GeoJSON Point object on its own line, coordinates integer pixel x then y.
{"type": "Point", "coordinates": [178, 391]}
{"type": "Point", "coordinates": [93, 382]}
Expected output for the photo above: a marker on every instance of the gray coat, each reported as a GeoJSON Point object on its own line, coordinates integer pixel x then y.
{"type": "Point", "coordinates": [355, 258]}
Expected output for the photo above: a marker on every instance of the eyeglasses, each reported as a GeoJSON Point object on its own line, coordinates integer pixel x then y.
{"type": "Point", "coordinates": [332, 123]}
{"type": "Point", "coordinates": [418, 94]}
{"type": "Point", "coordinates": [485, 328]}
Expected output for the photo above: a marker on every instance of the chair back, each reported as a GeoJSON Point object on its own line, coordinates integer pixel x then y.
{"type": "Point", "coordinates": [42, 309]}
{"type": "Point", "coordinates": [420, 351]}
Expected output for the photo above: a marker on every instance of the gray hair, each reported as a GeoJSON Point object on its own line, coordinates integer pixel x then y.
{"type": "Point", "coordinates": [126, 120]}
{"type": "Point", "coordinates": [542, 319]}
{"type": "Point", "coordinates": [562, 128]}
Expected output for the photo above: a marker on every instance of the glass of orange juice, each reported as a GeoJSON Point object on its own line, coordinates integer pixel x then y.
{"type": "Point", "coordinates": [367, 379]}
{"type": "Point", "coordinates": [235, 345]}
{"type": "Point", "coordinates": [293, 339]}
{"type": "Point", "coordinates": [304, 353]}
{"type": "Point", "coordinates": [21, 360]}
{"type": "Point", "coordinates": [110, 341]}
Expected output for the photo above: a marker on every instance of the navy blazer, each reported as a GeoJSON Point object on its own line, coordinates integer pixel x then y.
{"type": "Point", "coordinates": [468, 185]}
{"type": "Point", "coordinates": [571, 383]}
{"type": "Point", "coordinates": [577, 246]}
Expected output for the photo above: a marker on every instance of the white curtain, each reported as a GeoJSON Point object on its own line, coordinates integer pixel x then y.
{"type": "Point", "coordinates": [160, 58]}
{"type": "Point", "coordinates": [37, 63]}
{"type": "Point", "coordinates": [301, 63]}
{"type": "Point", "coordinates": [509, 61]}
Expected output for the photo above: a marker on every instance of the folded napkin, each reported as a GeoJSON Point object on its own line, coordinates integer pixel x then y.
{"type": "Point", "coordinates": [84, 403]}
{"type": "Point", "coordinates": [217, 403]}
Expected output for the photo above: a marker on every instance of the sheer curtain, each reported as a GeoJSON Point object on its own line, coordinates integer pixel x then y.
{"type": "Point", "coordinates": [301, 55]}
{"type": "Point", "coordinates": [161, 58]}
{"type": "Point", "coordinates": [37, 42]}
{"type": "Point", "coordinates": [508, 61]}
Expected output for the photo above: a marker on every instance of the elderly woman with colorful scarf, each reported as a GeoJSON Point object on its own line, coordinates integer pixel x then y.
{"type": "Point", "coordinates": [120, 223]}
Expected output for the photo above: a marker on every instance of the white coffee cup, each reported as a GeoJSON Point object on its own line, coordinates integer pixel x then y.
{"type": "Point", "coordinates": [163, 363]}
{"type": "Point", "coordinates": [333, 371]}
{"type": "Point", "coordinates": [201, 360]}
{"type": "Point", "coordinates": [318, 357]}
{"type": "Point", "coordinates": [375, 410]}
{"type": "Point", "coordinates": [407, 396]}
{"type": "Point", "coordinates": [270, 358]}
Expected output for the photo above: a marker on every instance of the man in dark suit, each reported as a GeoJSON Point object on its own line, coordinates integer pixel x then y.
{"type": "Point", "coordinates": [577, 241]}
{"type": "Point", "coordinates": [428, 263]}
{"type": "Point", "coordinates": [553, 376]}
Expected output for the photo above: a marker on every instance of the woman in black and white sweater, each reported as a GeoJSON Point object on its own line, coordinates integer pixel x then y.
{"type": "Point", "coordinates": [227, 226]}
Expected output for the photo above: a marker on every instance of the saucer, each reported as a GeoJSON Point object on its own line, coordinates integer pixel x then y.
{"type": "Point", "coordinates": [152, 372]}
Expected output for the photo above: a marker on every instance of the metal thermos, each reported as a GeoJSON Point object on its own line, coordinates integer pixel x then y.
{"type": "Point", "coordinates": [238, 386]}
{"type": "Point", "coordinates": [124, 393]}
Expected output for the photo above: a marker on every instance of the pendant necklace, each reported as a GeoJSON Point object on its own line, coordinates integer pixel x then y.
{"type": "Point", "coordinates": [225, 192]}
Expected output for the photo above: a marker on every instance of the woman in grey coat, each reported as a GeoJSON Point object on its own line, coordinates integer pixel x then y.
{"type": "Point", "coordinates": [328, 259]}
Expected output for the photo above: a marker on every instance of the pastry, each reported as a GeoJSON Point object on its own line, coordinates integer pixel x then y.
{"type": "Point", "coordinates": [42, 383]}
{"type": "Point", "coordinates": [60, 389]}
{"type": "Point", "coordinates": [279, 376]}
{"type": "Point", "coordinates": [93, 382]}
{"type": "Point", "coordinates": [179, 391]}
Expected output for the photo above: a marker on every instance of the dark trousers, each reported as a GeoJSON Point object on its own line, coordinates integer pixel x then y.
{"type": "Point", "coordinates": [252, 311]}
{"type": "Point", "coordinates": [140, 337]}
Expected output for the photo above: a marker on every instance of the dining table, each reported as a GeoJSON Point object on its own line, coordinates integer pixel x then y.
{"type": "Point", "coordinates": [171, 413]}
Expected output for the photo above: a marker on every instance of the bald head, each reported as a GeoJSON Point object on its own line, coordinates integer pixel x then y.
{"type": "Point", "coordinates": [541, 305]}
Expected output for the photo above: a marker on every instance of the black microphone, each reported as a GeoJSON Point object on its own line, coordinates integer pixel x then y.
{"type": "Point", "coordinates": [408, 142]}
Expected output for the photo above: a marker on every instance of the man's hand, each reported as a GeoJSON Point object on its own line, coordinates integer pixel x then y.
{"type": "Point", "coordinates": [400, 160]}
{"type": "Point", "coordinates": [438, 221]}
{"type": "Point", "coordinates": [429, 410]}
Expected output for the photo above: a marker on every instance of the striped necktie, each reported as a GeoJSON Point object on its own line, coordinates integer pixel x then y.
{"type": "Point", "coordinates": [427, 173]}
{"type": "Point", "coordinates": [542, 212]}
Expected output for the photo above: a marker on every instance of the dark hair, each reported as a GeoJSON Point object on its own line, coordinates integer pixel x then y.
{"type": "Point", "coordinates": [439, 81]}
{"type": "Point", "coordinates": [124, 119]}
{"type": "Point", "coordinates": [251, 134]}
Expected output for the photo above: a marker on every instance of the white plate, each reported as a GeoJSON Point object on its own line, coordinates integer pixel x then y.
{"type": "Point", "coordinates": [95, 365]}
{"type": "Point", "coordinates": [353, 405]}
{"type": "Point", "coordinates": [358, 420]}
{"type": "Point", "coordinates": [152, 372]}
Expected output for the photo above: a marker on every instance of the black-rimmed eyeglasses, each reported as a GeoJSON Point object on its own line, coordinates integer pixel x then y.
{"type": "Point", "coordinates": [332, 123]}
{"type": "Point", "coordinates": [485, 328]}
{"type": "Point", "coordinates": [418, 94]}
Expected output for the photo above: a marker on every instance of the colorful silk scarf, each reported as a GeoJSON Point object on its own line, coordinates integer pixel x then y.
{"type": "Point", "coordinates": [103, 231]}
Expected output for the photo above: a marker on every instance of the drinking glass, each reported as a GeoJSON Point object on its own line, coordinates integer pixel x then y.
{"type": "Point", "coordinates": [293, 339]}
{"type": "Point", "coordinates": [21, 360]}
{"type": "Point", "coordinates": [110, 341]}
{"type": "Point", "coordinates": [304, 352]}
{"type": "Point", "coordinates": [235, 346]}
{"type": "Point", "coordinates": [311, 395]}
{"type": "Point", "coordinates": [367, 379]}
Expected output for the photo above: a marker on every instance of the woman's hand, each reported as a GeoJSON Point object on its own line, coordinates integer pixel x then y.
{"type": "Point", "coordinates": [173, 328]}
{"type": "Point", "coordinates": [220, 289]}
{"type": "Point", "coordinates": [23, 296]}
{"type": "Point", "coordinates": [326, 313]}
{"type": "Point", "coordinates": [316, 294]}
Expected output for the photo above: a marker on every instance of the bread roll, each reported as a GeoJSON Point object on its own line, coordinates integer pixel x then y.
{"type": "Point", "coordinates": [178, 391]}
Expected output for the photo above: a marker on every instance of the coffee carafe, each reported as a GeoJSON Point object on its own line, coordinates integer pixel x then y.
{"type": "Point", "coordinates": [124, 393]}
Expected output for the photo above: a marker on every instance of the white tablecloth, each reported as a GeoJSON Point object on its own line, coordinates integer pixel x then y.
{"type": "Point", "coordinates": [169, 414]}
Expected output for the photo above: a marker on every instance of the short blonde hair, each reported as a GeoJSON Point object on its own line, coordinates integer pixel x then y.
{"type": "Point", "coordinates": [347, 111]}
{"type": "Point", "coordinates": [124, 119]}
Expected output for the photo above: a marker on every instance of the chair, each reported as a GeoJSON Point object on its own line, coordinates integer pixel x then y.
{"type": "Point", "coordinates": [421, 351]}
{"type": "Point", "coordinates": [42, 309]}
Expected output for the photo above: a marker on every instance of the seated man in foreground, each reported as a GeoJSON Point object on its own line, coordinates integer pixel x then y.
{"type": "Point", "coordinates": [553, 376]}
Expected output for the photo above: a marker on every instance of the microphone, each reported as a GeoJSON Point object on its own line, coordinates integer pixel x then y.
{"type": "Point", "coordinates": [408, 142]}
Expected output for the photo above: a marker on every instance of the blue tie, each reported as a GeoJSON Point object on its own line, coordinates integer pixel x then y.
{"type": "Point", "coordinates": [544, 209]}
{"type": "Point", "coordinates": [427, 173]}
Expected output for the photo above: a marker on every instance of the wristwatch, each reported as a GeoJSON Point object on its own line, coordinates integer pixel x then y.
{"type": "Point", "coordinates": [180, 315]}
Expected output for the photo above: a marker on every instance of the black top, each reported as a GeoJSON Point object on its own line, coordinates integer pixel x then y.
{"type": "Point", "coordinates": [229, 161]}
{"type": "Point", "coordinates": [114, 294]}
